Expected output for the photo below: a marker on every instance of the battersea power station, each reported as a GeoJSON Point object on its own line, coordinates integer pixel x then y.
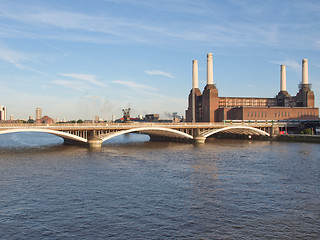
{"type": "Point", "coordinates": [209, 107]}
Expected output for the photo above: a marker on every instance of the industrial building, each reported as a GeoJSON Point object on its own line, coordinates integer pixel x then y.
{"type": "Point", "coordinates": [209, 107]}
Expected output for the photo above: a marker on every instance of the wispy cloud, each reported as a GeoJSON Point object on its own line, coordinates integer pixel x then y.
{"type": "Point", "coordinates": [289, 63]}
{"type": "Point", "coordinates": [181, 6]}
{"type": "Point", "coordinates": [159, 73]}
{"type": "Point", "coordinates": [19, 59]}
{"type": "Point", "coordinates": [217, 30]}
{"type": "Point", "coordinates": [135, 86]}
{"type": "Point", "coordinates": [84, 77]}
{"type": "Point", "coordinates": [13, 57]}
{"type": "Point", "coordinates": [5, 90]}
{"type": "Point", "coordinates": [75, 85]}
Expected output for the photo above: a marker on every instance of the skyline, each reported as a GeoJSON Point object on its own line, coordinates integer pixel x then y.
{"type": "Point", "coordinates": [76, 60]}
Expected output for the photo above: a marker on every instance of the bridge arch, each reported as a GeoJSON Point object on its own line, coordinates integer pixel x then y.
{"type": "Point", "coordinates": [237, 130]}
{"type": "Point", "coordinates": [61, 134]}
{"type": "Point", "coordinates": [164, 132]}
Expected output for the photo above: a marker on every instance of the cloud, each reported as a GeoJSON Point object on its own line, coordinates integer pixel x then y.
{"type": "Point", "coordinates": [181, 6]}
{"type": "Point", "coordinates": [13, 57]}
{"type": "Point", "coordinates": [16, 58]}
{"type": "Point", "coordinates": [216, 30]}
{"type": "Point", "coordinates": [130, 30]}
{"type": "Point", "coordinates": [289, 63]}
{"type": "Point", "coordinates": [5, 90]}
{"type": "Point", "coordinates": [159, 73]}
{"type": "Point", "coordinates": [75, 85]}
{"type": "Point", "coordinates": [135, 86]}
{"type": "Point", "coordinates": [84, 77]}
{"type": "Point", "coordinates": [75, 25]}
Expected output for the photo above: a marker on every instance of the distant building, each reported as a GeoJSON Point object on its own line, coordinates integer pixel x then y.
{"type": "Point", "coordinates": [45, 119]}
{"type": "Point", "coordinates": [11, 117]}
{"type": "Point", "coordinates": [30, 120]}
{"type": "Point", "coordinates": [151, 117]}
{"type": "Point", "coordinates": [38, 113]}
{"type": "Point", "coordinates": [176, 119]}
{"type": "Point", "coordinates": [3, 113]}
{"type": "Point", "coordinates": [209, 107]}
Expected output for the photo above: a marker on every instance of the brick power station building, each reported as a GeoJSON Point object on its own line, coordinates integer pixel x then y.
{"type": "Point", "coordinates": [209, 107]}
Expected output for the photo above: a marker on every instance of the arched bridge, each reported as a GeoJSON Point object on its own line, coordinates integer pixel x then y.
{"type": "Point", "coordinates": [94, 135]}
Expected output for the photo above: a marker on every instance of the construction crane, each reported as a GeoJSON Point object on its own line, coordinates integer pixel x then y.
{"type": "Point", "coordinates": [126, 115]}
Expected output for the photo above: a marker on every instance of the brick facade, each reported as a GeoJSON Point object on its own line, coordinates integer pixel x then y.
{"type": "Point", "coordinates": [212, 108]}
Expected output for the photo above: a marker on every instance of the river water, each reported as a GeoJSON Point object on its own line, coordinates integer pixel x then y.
{"type": "Point", "coordinates": [136, 189]}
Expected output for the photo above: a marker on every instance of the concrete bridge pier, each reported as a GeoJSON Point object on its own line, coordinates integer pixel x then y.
{"type": "Point", "coordinates": [274, 130]}
{"type": "Point", "coordinates": [199, 140]}
{"type": "Point", "coordinates": [95, 143]}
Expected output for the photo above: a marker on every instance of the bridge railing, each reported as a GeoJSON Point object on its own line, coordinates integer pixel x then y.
{"type": "Point", "coordinates": [112, 124]}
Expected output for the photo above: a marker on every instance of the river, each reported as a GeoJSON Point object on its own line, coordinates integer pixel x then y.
{"type": "Point", "coordinates": [136, 189]}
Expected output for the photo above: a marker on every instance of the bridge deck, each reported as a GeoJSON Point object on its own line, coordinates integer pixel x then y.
{"type": "Point", "coordinates": [97, 133]}
{"type": "Point", "coordinates": [91, 126]}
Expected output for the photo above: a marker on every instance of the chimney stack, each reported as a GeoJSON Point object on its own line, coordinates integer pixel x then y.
{"type": "Point", "coordinates": [305, 71]}
{"type": "Point", "coordinates": [209, 69]}
{"type": "Point", "coordinates": [195, 81]}
{"type": "Point", "coordinates": [283, 84]}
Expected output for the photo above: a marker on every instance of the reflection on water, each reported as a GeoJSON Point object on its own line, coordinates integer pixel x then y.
{"type": "Point", "coordinates": [136, 189]}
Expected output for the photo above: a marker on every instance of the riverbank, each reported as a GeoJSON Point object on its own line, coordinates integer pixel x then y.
{"type": "Point", "coordinates": [298, 138]}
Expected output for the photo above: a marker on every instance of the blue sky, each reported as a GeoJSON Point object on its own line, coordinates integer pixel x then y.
{"type": "Point", "coordinates": [80, 58]}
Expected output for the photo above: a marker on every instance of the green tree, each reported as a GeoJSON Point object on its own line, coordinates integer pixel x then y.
{"type": "Point", "coordinates": [307, 131]}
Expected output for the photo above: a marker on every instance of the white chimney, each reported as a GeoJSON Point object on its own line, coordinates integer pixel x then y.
{"type": "Point", "coordinates": [209, 69]}
{"type": "Point", "coordinates": [305, 71]}
{"type": "Point", "coordinates": [195, 81]}
{"type": "Point", "coordinates": [283, 84]}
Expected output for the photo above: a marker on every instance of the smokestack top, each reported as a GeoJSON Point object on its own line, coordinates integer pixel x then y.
{"type": "Point", "coordinates": [304, 71]}
{"type": "Point", "coordinates": [283, 84]}
{"type": "Point", "coordinates": [195, 81]}
{"type": "Point", "coordinates": [209, 69]}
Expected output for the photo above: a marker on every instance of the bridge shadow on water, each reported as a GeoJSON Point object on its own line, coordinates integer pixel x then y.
{"type": "Point", "coordinates": [33, 142]}
{"type": "Point", "coordinates": [28, 142]}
